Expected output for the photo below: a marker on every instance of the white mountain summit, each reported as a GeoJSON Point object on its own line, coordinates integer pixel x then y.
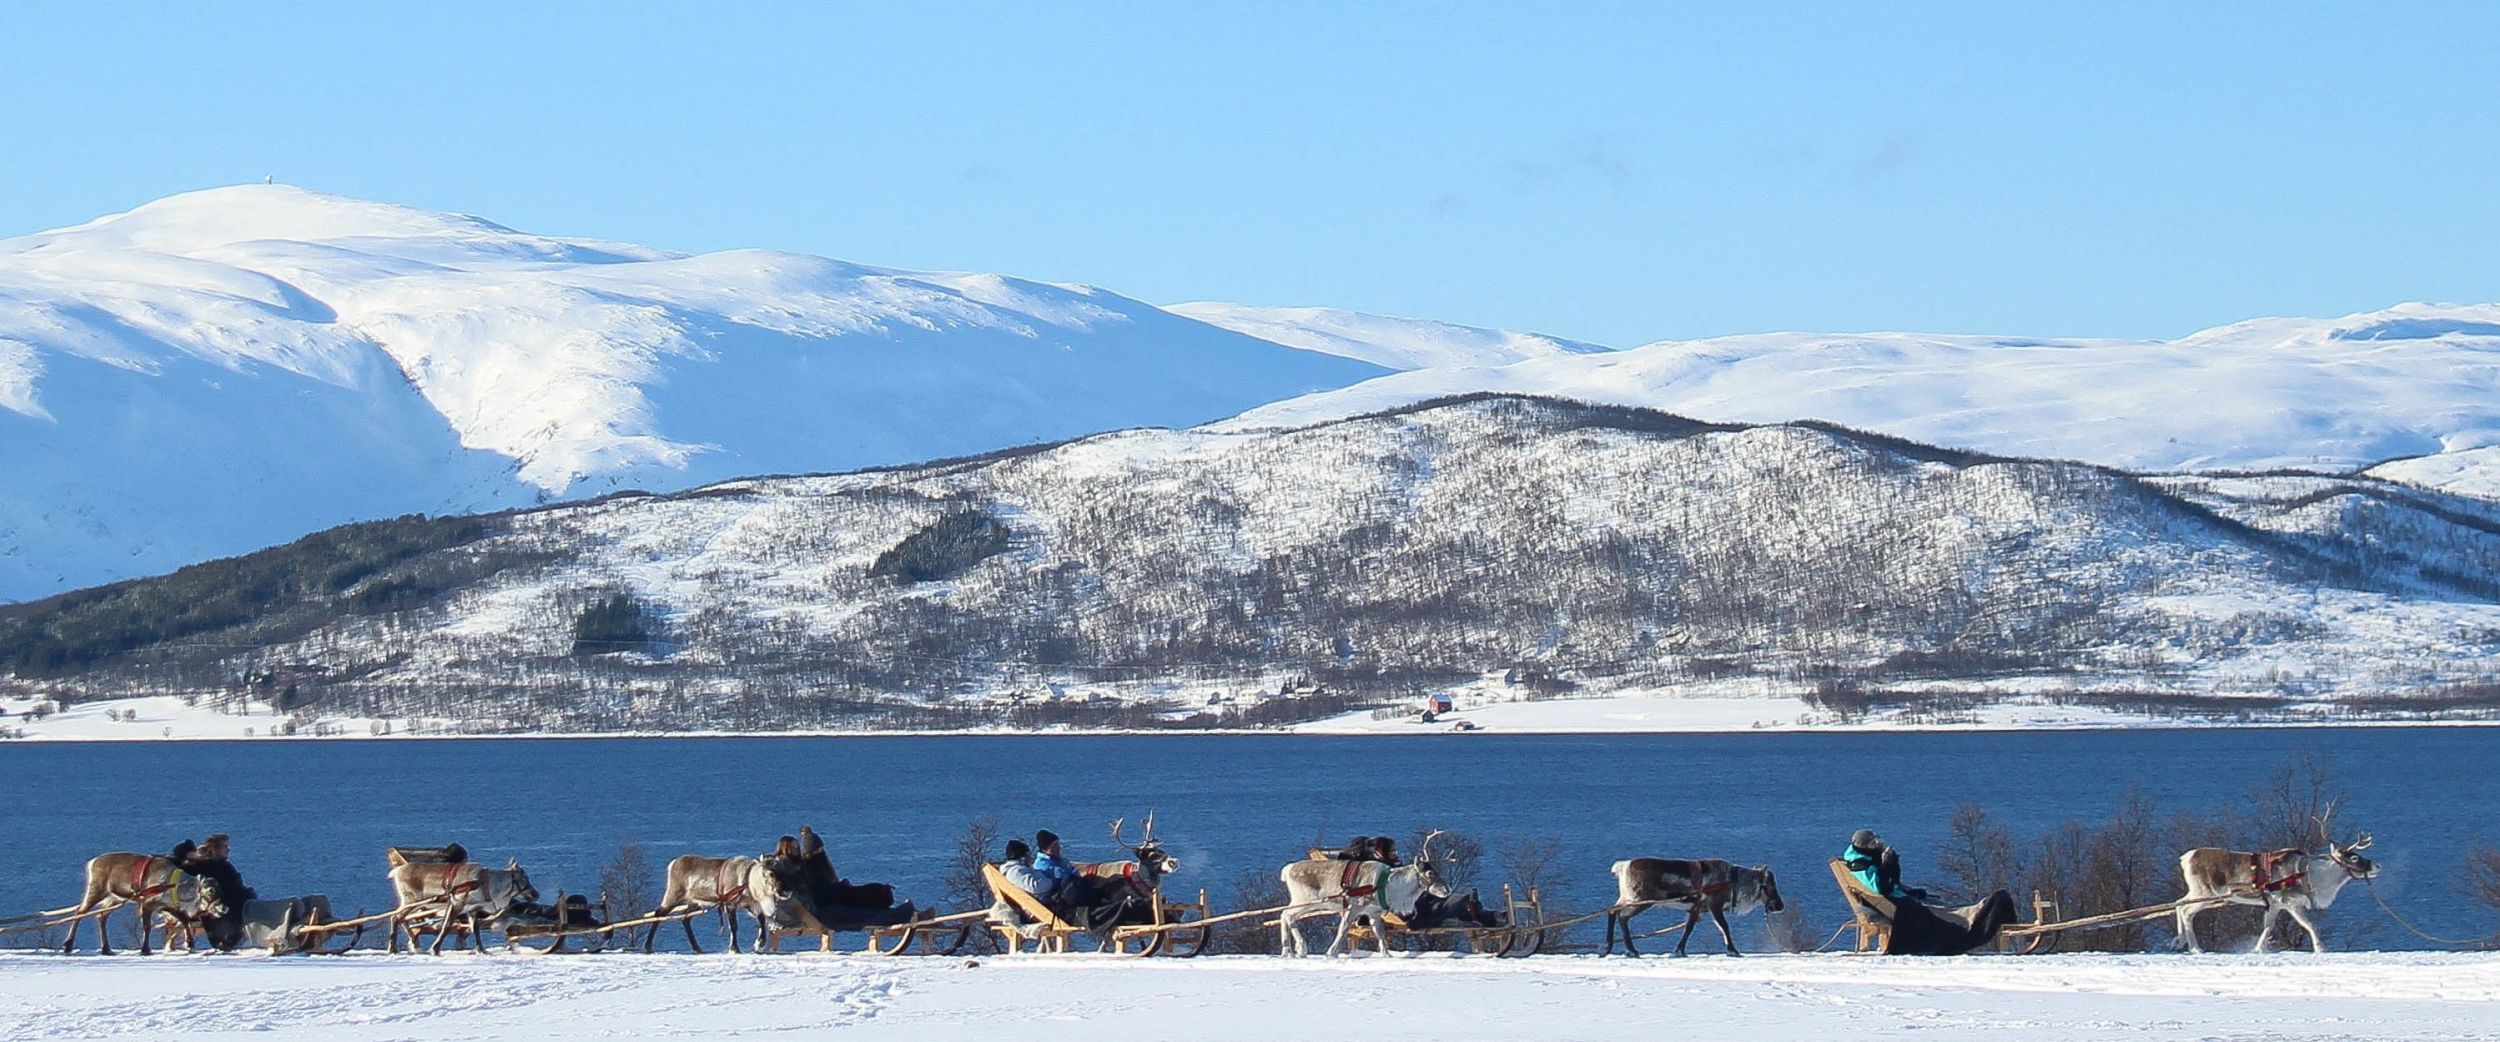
{"type": "Point", "coordinates": [221, 370]}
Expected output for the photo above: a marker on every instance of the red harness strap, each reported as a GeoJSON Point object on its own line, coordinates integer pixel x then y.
{"type": "Point", "coordinates": [720, 884]}
{"type": "Point", "coordinates": [477, 878]}
{"type": "Point", "coordinates": [1354, 871]}
{"type": "Point", "coordinates": [2262, 866]}
{"type": "Point", "coordinates": [139, 888]}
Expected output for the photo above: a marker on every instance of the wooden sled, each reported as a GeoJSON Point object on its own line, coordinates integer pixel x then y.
{"type": "Point", "coordinates": [1870, 912]}
{"type": "Point", "coordinates": [1048, 932]}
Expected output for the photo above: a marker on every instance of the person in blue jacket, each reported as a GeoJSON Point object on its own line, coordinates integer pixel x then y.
{"type": "Point", "coordinates": [1061, 886]}
{"type": "Point", "coordinates": [1878, 866]}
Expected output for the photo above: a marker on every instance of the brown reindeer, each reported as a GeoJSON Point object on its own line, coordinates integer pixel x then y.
{"type": "Point", "coordinates": [150, 881]}
{"type": "Point", "coordinates": [1696, 886]}
{"type": "Point", "coordinates": [727, 884]}
{"type": "Point", "coordinates": [444, 895]}
{"type": "Point", "coordinates": [2289, 880]}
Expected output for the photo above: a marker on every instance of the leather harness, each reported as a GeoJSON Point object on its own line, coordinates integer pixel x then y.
{"type": "Point", "coordinates": [2263, 866]}
{"type": "Point", "coordinates": [1348, 880]}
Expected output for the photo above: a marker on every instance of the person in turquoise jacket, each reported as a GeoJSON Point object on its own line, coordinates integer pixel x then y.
{"type": "Point", "coordinates": [1877, 866]}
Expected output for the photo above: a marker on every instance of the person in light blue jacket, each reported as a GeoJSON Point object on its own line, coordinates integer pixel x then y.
{"type": "Point", "coordinates": [1056, 879]}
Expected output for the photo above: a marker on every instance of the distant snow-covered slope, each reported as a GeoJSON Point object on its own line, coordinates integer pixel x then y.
{"type": "Point", "coordinates": [2416, 380]}
{"type": "Point", "coordinates": [1392, 343]}
{"type": "Point", "coordinates": [221, 370]}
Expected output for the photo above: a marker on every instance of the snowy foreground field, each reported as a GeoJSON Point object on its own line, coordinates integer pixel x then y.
{"type": "Point", "coordinates": [2283, 996]}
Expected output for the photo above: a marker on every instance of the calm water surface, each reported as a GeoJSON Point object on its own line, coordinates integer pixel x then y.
{"type": "Point", "coordinates": [314, 816]}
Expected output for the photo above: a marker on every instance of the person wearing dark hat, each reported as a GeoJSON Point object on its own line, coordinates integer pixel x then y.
{"type": "Point", "coordinates": [1877, 865]}
{"type": "Point", "coordinates": [1057, 876]}
{"type": "Point", "coordinates": [1018, 868]}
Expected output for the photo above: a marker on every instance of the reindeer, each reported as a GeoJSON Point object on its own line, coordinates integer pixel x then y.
{"type": "Point", "coordinates": [2288, 880]}
{"type": "Point", "coordinates": [1140, 877]}
{"type": "Point", "coordinates": [728, 884]}
{"type": "Point", "coordinates": [454, 892]}
{"type": "Point", "coordinates": [152, 882]}
{"type": "Point", "coordinates": [1357, 890]}
{"type": "Point", "coordinates": [1708, 885]}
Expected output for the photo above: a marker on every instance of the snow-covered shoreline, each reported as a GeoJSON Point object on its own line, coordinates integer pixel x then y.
{"type": "Point", "coordinates": [2059, 997]}
{"type": "Point", "coordinates": [166, 719]}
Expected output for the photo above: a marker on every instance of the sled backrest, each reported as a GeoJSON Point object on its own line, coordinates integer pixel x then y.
{"type": "Point", "coordinates": [1872, 912]}
{"type": "Point", "coordinates": [1023, 899]}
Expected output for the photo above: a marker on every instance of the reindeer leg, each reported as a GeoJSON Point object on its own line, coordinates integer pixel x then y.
{"type": "Point", "coordinates": [1692, 917]}
{"type": "Point", "coordinates": [688, 923]}
{"type": "Point", "coordinates": [103, 933]}
{"type": "Point", "coordinates": [147, 930]}
{"type": "Point", "coordinates": [729, 919]}
{"type": "Point", "coordinates": [2186, 928]}
{"type": "Point", "coordinates": [2266, 929]}
{"type": "Point", "coordinates": [1609, 949]}
{"type": "Point", "coordinates": [2304, 916]}
{"type": "Point", "coordinates": [1345, 919]}
{"type": "Point", "coordinates": [1719, 915]}
{"type": "Point", "coordinates": [1286, 942]}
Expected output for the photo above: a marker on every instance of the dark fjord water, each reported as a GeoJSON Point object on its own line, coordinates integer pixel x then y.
{"type": "Point", "coordinates": [314, 816]}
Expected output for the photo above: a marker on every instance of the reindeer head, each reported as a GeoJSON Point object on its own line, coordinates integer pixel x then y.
{"type": "Point", "coordinates": [208, 900]}
{"type": "Point", "coordinates": [2348, 857]}
{"type": "Point", "coordinates": [1428, 869]}
{"type": "Point", "coordinates": [522, 892]}
{"type": "Point", "coordinates": [1152, 861]}
{"type": "Point", "coordinates": [1770, 890]}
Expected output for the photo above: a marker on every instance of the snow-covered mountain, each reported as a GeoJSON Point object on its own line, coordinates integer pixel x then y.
{"type": "Point", "coordinates": [222, 370]}
{"type": "Point", "coordinates": [1539, 545]}
{"type": "Point", "coordinates": [2416, 380]}
{"type": "Point", "coordinates": [1382, 340]}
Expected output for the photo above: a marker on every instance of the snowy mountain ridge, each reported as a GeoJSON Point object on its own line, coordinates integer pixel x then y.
{"type": "Point", "coordinates": [2418, 383]}
{"type": "Point", "coordinates": [1518, 547]}
{"type": "Point", "coordinates": [222, 370]}
{"type": "Point", "coordinates": [1385, 341]}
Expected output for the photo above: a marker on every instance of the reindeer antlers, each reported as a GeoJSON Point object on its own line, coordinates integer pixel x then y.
{"type": "Point", "coordinates": [1118, 823]}
{"type": "Point", "coordinates": [2326, 822]}
{"type": "Point", "coordinates": [1424, 853]}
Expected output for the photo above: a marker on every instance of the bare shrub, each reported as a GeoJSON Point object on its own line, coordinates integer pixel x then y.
{"type": "Point", "coordinates": [1253, 887]}
{"type": "Point", "coordinates": [625, 885]}
{"type": "Point", "coordinates": [964, 888]}
{"type": "Point", "coordinates": [1981, 856]}
{"type": "Point", "coordinates": [2481, 882]}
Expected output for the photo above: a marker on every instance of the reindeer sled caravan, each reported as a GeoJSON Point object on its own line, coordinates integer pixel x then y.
{"type": "Point", "coordinates": [1042, 902]}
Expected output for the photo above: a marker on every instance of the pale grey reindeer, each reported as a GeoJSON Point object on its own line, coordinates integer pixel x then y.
{"type": "Point", "coordinates": [441, 895]}
{"type": "Point", "coordinates": [2289, 880]}
{"type": "Point", "coordinates": [1706, 884]}
{"type": "Point", "coordinates": [1354, 890]}
{"type": "Point", "coordinates": [150, 881]}
{"type": "Point", "coordinates": [727, 884]}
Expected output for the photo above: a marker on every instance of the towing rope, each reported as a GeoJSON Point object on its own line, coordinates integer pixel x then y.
{"type": "Point", "coordinates": [2383, 906]}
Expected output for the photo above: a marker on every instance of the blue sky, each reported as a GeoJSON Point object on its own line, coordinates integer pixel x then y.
{"type": "Point", "coordinates": [1614, 173]}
